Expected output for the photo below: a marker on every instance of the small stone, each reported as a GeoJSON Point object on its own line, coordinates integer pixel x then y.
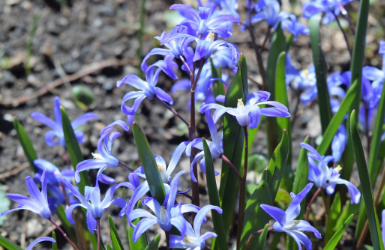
{"type": "Point", "coordinates": [106, 10]}
{"type": "Point", "coordinates": [8, 78]}
{"type": "Point", "coordinates": [67, 104]}
{"type": "Point", "coordinates": [108, 85]}
{"type": "Point", "coordinates": [8, 117]}
{"type": "Point", "coordinates": [100, 79]}
{"type": "Point", "coordinates": [71, 67]}
{"type": "Point", "coordinates": [31, 79]}
{"type": "Point", "coordinates": [97, 23]}
{"type": "Point", "coordinates": [62, 21]}
{"type": "Point", "coordinates": [53, 28]}
{"type": "Point", "coordinates": [34, 228]}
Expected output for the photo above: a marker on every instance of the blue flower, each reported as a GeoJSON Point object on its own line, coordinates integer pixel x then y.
{"type": "Point", "coordinates": [148, 88]}
{"type": "Point", "coordinates": [95, 207]}
{"type": "Point", "coordinates": [249, 114]}
{"type": "Point", "coordinates": [57, 127]}
{"type": "Point", "coordinates": [329, 7]}
{"type": "Point", "coordinates": [295, 27]}
{"type": "Point", "coordinates": [38, 241]}
{"type": "Point", "coordinates": [339, 143]}
{"type": "Point", "coordinates": [205, 20]}
{"type": "Point", "coordinates": [268, 10]}
{"type": "Point", "coordinates": [192, 239]}
{"type": "Point", "coordinates": [105, 158]}
{"type": "Point", "coordinates": [290, 71]}
{"type": "Point", "coordinates": [286, 220]}
{"type": "Point", "coordinates": [163, 213]}
{"type": "Point", "coordinates": [38, 204]}
{"type": "Point", "coordinates": [326, 177]}
{"type": "Point", "coordinates": [305, 79]}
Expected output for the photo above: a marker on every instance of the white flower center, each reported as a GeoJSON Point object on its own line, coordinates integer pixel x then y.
{"type": "Point", "coordinates": [97, 156]}
{"type": "Point", "coordinates": [210, 37]}
{"type": "Point", "coordinates": [240, 104]}
{"type": "Point", "coordinates": [305, 73]}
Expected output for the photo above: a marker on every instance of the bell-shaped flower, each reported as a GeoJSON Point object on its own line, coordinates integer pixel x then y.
{"type": "Point", "coordinates": [286, 220]}
{"type": "Point", "coordinates": [295, 27]}
{"type": "Point", "coordinates": [331, 8]}
{"type": "Point", "coordinates": [249, 114]}
{"type": "Point", "coordinates": [38, 202]}
{"type": "Point", "coordinates": [92, 202]}
{"type": "Point", "coordinates": [163, 214]}
{"type": "Point", "coordinates": [326, 177]}
{"type": "Point", "coordinates": [268, 10]}
{"type": "Point", "coordinates": [192, 239]}
{"type": "Point", "coordinates": [104, 158]}
{"type": "Point", "coordinates": [175, 48]}
{"type": "Point", "coordinates": [41, 239]}
{"type": "Point", "coordinates": [147, 88]}
{"type": "Point", "coordinates": [205, 20]}
{"type": "Point", "coordinates": [57, 127]}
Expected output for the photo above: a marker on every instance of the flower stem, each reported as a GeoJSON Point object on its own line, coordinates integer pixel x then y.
{"type": "Point", "coordinates": [311, 202]}
{"type": "Point", "coordinates": [252, 235]}
{"type": "Point", "coordinates": [185, 64]}
{"type": "Point", "coordinates": [172, 110]}
{"type": "Point", "coordinates": [232, 167]}
{"type": "Point", "coordinates": [343, 32]}
{"type": "Point", "coordinates": [125, 167]}
{"type": "Point", "coordinates": [98, 232]}
{"type": "Point", "coordinates": [265, 40]}
{"type": "Point", "coordinates": [241, 206]}
{"type": "Point", "coordinates": [168, 240]}
{"type": "Point", "coordinates": [64, 234]}
{"type": "Point", "coordinates": [191, 128]}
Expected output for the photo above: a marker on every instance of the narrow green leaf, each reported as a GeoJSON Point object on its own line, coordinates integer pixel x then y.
{"type": "Point", "coordinates": [335, 211]}
{"type": "Point", "coordinates": [154, 243]}
{"type": "Point", "coordinates": [337, 119]}
{"type": "Point", "coordinates": [255, 217]}
{"type": "Point", "coordinates": [367, 193]}
{"type": "Point", "coordinates": [221, 240]}
{"type": "Point", "coordinates": [26, 143]}
{"type": "Point", "coordinates": [218, 85]}
{"type": "Point", "coordinates": [277, 165]}
{"type": "Point", "coordinates": [349, 209]}
{"type": "Point", "coordinates": [116, 242]}
{"type": "Point", "coordinates": [233, 140]}
{"type": "Point", "coordinates": [109, 247]}
{"type": "Point", "coordinates": [149, 165]}
{"type": "Point", "coordinates": [7, 244]}
{"type": "Point", "coordinates": [284, 122]}
{"type": "Point", "coordinates": [54, 244]}
{"type": "Point", "coordinates": [337, 236]}
{"type": "Point", "coordinates": [141, 243]}
{"type": "Point", "coordinates": [376, 140]}
{"type": "Point", "coordinates": [73, 149]}
{"type": "Point", "coordinates": [321, 72]}
{"type": "Point", "coordinates": [262, 237]}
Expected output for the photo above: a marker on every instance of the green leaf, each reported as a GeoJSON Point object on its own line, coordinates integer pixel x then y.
{"type": "Point", "coordinates": [255, 217]}
{"type": "Point", "coordinates": [7, 244]}
{"type": "Point", "coordinates": [321, 72]}
{"type": "Point", "coordinates": [367, 194]}
{"type": "Point", "coordinates": [218, 85]}
{"type": "Point", "coordinates": [277, 165]}
{"type": "Point", "coordinates": [116, 242]}
{"type": "Point", "coordinates": [233, 140]}
{"type": "Point", "coordinates": [25, 142]}
{"type": "Point", "coordinates": [349, 209]}
{"type": "Point", "coordinates": [54, 244]}
{"type": "Point", "coordinates": [335, 211]}
{"type": "Point", "coordinates": [141, 243]}
{"type": "Point", "coordinates": [109, 247]}
{"type": "Point", "coordinates": [221, 240]}
{"type": "Point", "coordinates": [278, 45]}
{"type": "Point", "coordinates": [337, 119]}
{"type": "Point", "coordinates": [374, 168]}
{"type": "Point", "coordinates": [283, 122]}
{"type": "Point", "coordinates": [154, 243]}
{"type": "Point", "coordinates": [256, 162]}
{"type": "Point", "coordinates": [83, 96]}
{"type": "Point", "coordinates": [262, 237]}
{"type": "Point", "coordinates": [283, 198]}
{"type": "Point", "coordinates": [337, 236]}
{"type": "Point", "coordinates": [149, 165]}
{"type": "Point", "coordinates": [73, 149]}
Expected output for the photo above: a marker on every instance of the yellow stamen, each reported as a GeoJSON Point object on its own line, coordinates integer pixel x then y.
{"type": "Point", "coordinates": [97, 156]}
{"type": "Point", "coordinates": [210, 37]}
{"type": "Point", "coordinates": [186, 239]}
{"type": "Point", "coordinates": [338, 168]}
{"type": "Point", "coordinates": [240, 103]}
{"type": "Point", "coordinates": [304, 73]}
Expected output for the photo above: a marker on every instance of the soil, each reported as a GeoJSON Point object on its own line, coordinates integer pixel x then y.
{"type": "Point", "coordinates": [83, 34]}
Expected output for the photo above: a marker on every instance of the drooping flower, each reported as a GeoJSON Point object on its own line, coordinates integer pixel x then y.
{"type": "Point", "coordinates": [163, 213]}
{"type": "Point", "coordinates": [268, 10]}
{"type": "Point", "coordinates": [38, 241]}
{"type": "Point", "coordinates": [326, 177]}
{"type": "Point", "coordinates": [204, 20]}
{"type": "Point", "coordinates": [331, 8]}
{"type": "Point", "coordinates": [296, 28]}
{"type": "Point", "coordinates": [147, 89]}
{"type": "Point", "coordinates": [192, 239]}
{"type": "Point", "coordinates": [249, 114]}
{"type": "Point", "coordinates": [92, 202]}
{"type": "Point", "coordinates": [38, 202]}
{"type": "Point", "coordinates": [104, 158]}
{"type": "Point", "coordinates": [286, 220]}
{"type": "Point", "coordinates": [57, 127]}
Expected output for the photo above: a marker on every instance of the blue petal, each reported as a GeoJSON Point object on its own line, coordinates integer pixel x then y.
{"type": "Point", "coordinates": [45, 120]}
{"type": "Point", "coordinates": [142, 227]}
{"type": "Point", "coordinates": [83, 119]}
{"type": "Point", "coordinates": [201, 215]}
{"type": "Point", "coordinates": [277, 213]}
{"type": "Point", "coordinates": [91, 222]}
{"type": "Point", "coordinates": [69, 211]}
{"type": "Point", "coordinates": [38, 241]}
{"type": "Point", "coordinates": [294, 208]}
